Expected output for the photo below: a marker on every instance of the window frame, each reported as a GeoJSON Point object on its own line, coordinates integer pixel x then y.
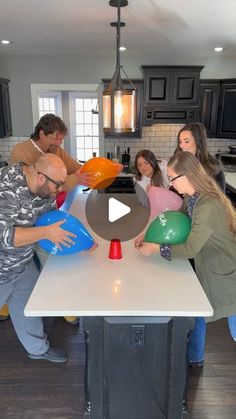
{"type": "Point", "coordinates": [36, 88]}
{"type": "Point", "coordinates": [72, 97]}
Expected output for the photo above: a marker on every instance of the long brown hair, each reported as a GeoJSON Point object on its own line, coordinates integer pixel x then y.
{"type": "Point", "coordinates": [188, 165]}
{"type": "Point", "coordinates": [198, 131]}
{"type": "Point", "coordinates": [157, 178]}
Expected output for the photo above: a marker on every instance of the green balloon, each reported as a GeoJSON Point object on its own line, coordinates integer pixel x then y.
{"type": "Point", "coordinates": [170, 227]}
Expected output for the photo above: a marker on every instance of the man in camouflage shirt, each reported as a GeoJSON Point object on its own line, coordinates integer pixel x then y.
{"type": "Point", "coordinates": [26, 192]}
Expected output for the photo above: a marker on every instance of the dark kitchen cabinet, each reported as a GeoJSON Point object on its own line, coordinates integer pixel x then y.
{"type": "Point", "coordinates": [5, 113]}
{"type": "Point", "coordinates": [135, 367]}
{"type": "Point", "coordinates": [138, 84]}
{"type": "Point", "coordinates": [209, 101]}
{"type": "Point", "coordinates": [171, 94]}
{"type": "Point", "coordinates": [226, 124]}
{"type": "Point", "coordinates": [217, 107]}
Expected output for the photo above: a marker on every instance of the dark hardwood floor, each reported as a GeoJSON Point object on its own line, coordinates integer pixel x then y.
{"type": "Point", "coordinates": [41, 390]}
{"type": "Point", "coordinates": [212, 389]}
{"type": "Point", "coordinates": [31, 389]}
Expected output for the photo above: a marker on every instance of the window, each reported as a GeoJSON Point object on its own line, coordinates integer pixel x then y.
{"type": "Point", "coordinates": [60, 99]}
{"type": "Point", "coordinates": [85, 125]}
{"type": "Point", "coordinates": [49, 102]}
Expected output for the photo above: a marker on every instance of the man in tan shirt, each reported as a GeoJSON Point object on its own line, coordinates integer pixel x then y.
{"type": "Point", "coordinates": [48, 136]}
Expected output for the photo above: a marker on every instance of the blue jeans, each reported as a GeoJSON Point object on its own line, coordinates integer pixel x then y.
{"type": "Point", "coordinates": [196, 346]}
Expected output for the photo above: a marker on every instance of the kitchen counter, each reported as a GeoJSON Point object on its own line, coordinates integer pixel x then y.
{"type": "Point", "coordinates": [230, 179]}
{"type": "Point", "coordinates": [135, 324]}
{"type": "Point", "coordinates": [85, 285]}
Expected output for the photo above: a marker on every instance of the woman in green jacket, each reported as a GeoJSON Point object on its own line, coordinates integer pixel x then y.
{"type": "Point", "coordinates": [211, 242]}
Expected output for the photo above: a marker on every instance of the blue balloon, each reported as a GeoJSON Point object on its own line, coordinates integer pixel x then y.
{"type": "Point", "coordinates": [83, 239]}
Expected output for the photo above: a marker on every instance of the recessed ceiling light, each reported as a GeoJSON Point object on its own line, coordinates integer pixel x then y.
{"type": "Point", "coordinates": [218, 49]}
{"type": "Point", "coordinates": [123, 48]}
{"type": "Point", "coordinates": [6, 42]}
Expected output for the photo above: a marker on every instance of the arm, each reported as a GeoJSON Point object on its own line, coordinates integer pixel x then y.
{"type": "Point", "coordinates": [53, 232]}
{"type": "Point", "coordinates": [25, 152]}
{"type": "Point", "coordinates": [75, 177]}
{"type": "Point", "coordinates": [203, 226]}
{"type": "Point", "coordinates": [13, 235]}
{"type": "Point", "coordinates": [202, 229]}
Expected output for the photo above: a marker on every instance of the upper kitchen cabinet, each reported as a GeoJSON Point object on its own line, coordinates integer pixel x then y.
{"type": "Point", "coordinates": [209, 101]}
{"type": "Point", "coordinates": [226, 124]}
{"type": "Point", "coordinates": [217, 107]}
{"type": "Point", "coordinates": [138, 84]}
{"type": "Point", "coordinates": [5, 113]}
{"type": "Point", "coordinates": [171, 94]}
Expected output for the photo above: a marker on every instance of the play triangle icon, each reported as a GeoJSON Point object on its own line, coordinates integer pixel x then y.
{"type": "Point", "coordinates": [116, 210]}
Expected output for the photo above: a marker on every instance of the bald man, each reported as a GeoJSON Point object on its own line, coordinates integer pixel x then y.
{"type": "Point", "coordinates": [27, 192]}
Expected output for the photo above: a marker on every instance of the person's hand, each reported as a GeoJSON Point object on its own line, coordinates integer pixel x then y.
{"type": "Point", "coordinates": [85, 179]}
{"type": "Point", "coordinates": [147, 249]}
{"type": "Point", "coordinates": [120, 167]}
{"type": "Point", "coordinates": [139, 240]}
{"type": "Point", "coordinates": [56, 234]}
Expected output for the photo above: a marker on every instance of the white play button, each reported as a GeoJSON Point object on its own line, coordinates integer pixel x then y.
{"type": "Point", "coordinates": [117, 209]}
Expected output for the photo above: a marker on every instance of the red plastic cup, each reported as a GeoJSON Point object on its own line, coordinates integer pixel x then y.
{"type": "Point", "coordinates": [115, 252]}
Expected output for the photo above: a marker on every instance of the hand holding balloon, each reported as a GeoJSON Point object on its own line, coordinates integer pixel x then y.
{"type": "Point", "coordinates": [148, 249]}
{"type": "Point", "coordinates": [104, 170]}
{"type": "Point", "coordinates": [120, 167]}
{"type": "Point", "coordinates": [57, 235]}
{"type": "Point", "coordinates": [85, 178]}
{"type": "Point", "coordinates": [65, 234]}
{"type": "Point", "coordinates": [139, 240]}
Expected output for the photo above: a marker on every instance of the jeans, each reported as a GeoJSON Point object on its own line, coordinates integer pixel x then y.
{"type": "Point", "coordinates": [197, 338]}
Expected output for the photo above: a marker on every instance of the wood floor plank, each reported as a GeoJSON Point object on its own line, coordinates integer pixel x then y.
{"type": "Point", "coordinates": [40, 390]}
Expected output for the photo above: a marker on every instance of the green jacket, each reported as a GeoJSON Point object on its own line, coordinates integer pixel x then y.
{"type": "Point", "coordinates": [213, 247]}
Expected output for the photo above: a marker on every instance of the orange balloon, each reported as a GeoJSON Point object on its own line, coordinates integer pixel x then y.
{"type": "Point", "coordinates": [104, 170]}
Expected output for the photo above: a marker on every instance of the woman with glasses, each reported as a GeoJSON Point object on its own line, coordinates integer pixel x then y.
{"type": "Point", "coordinates": [211, 243]}
{"type": "Point", "coordinates": [193, 138]}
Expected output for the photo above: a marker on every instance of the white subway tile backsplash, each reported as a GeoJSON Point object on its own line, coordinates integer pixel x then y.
{"type": "Point", "coordinates": [161, 139]}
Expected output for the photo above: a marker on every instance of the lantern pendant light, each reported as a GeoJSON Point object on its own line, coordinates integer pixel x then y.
{"type": "Point", "coordinates": [119, 103]}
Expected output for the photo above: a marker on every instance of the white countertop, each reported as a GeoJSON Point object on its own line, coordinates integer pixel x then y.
{"type": "Point", "coordinates": [230, 179]}
{"type": "Point", "coordinates": [92, 285]}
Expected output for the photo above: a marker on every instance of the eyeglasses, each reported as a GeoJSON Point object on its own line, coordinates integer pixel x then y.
{"type": "Point", "coordinates": [171, 179]}
{"type": "Point", "coordinates": [57, 183]}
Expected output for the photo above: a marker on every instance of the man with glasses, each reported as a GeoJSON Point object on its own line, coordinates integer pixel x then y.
{"type": "Point", "coordinates": [26, 193]}
{"type": "Point", "coordinates": [48, 136]}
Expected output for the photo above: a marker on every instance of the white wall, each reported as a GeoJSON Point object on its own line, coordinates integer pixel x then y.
{"type": "Point", "coordinates": [25, 70]}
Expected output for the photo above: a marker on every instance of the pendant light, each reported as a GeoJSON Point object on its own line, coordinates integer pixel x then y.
{"type": "Point", "coordinates": [119, 102]}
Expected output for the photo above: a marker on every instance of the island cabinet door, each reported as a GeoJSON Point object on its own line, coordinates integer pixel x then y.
{"type": "Point", "coordinates": [136, 367]}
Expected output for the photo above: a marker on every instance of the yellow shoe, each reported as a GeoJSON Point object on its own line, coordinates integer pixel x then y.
{"type": "Point", "coordinates": [72, 319]}
{"type": "Point", "coordinates": [4, 313]}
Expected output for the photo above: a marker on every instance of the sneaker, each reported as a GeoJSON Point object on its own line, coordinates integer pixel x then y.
{"type": "Point", "coordinates": [194, 364]}
{"type": "Point", "coordinates": [52, 355]}
{"type": "Point", "coordinates": [4, 317]}
{"type": "Point", "coordinates": [4, 312]}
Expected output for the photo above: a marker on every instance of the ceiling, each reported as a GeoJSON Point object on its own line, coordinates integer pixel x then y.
{"type": "Point", "coordinates": [153, 27]}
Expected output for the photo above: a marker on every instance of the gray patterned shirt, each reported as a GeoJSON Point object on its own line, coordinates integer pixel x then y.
{"type": "Point", "coordinates": [18, 208]}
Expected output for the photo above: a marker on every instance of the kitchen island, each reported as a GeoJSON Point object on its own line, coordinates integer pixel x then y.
{"type": "Point", "coordinates": [135, 320]}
